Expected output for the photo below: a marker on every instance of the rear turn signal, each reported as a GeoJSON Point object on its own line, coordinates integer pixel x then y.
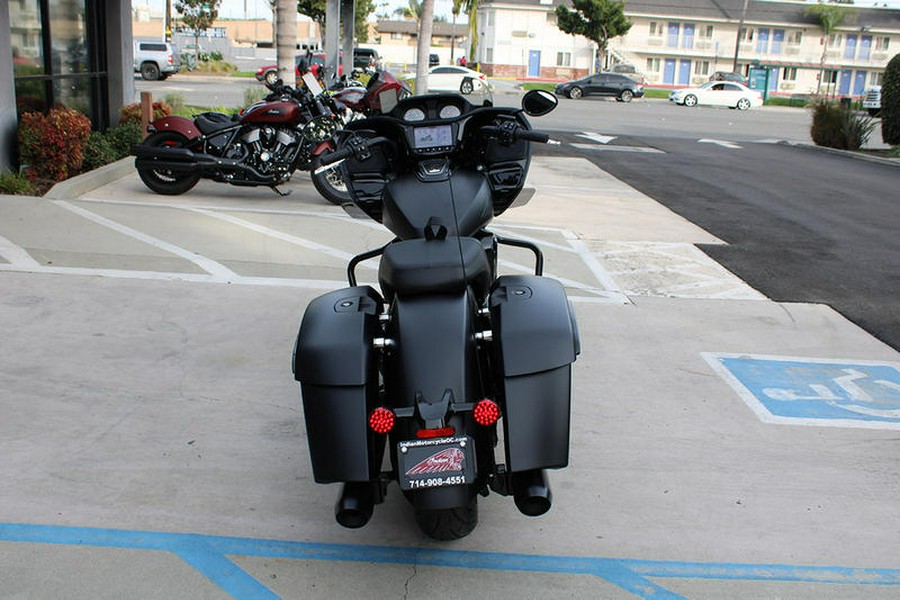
{"type": "Point", "coordinates": [381, 420]}
{"type": "Point", "coordinates": [486, 412]}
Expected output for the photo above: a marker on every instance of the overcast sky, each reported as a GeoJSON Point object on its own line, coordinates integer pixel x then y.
{"type": "Point", "coordinates": [259, 9]}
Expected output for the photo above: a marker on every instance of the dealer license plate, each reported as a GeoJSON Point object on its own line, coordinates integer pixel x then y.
{"type": "Point", "coordinates": [436, 463]}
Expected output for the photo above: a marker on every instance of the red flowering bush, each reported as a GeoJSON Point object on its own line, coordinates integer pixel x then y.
{"type": "Point", "coordinates": [52, 145]}
{"type": "Point", "coordinates": [131, 113]}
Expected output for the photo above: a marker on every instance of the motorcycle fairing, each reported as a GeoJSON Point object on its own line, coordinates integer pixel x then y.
{"type": "Point", "coordinates": [337, 367]}
{"type": "Point", "coordinates": [535, 340]}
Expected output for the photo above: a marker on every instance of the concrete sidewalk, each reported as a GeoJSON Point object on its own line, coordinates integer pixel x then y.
{"type": "Point", "coordinates": [155, 444]}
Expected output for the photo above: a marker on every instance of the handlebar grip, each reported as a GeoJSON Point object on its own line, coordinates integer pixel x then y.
{"type": "Point", "coordinates": [532, 136]}
{"type": "Point", "coordinates": [333, 157]}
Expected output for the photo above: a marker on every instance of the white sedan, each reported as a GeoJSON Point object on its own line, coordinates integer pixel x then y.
{"type": "Point", "coordinates": [452, 78]}
{"type": "Point", "coordinates": [718, 93]}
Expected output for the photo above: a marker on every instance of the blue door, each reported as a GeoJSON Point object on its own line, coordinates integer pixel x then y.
{"type": "Point", "coordinates": [672, 42]}
{"type": "Point", "coordinates": [669, 71]}
{"type": "Point", "coordinates": [859, 83]}
{"type": "Point", "coordinates": [762, 41]}
{"type": "Point", "coordinates": [865, 47]}
{"type": "Point", "coordinates": [687, 38]}
{"type": "Point", "coordinates": [534, 63]}
{"type": "Point", "coordinates": [850, 46]}
{"type": "Point", "coordinates": [844, 87]}
{"type": "Point", "coordinates": [777, 40]}
{"type": "Point", "coordinates": [684, 72]}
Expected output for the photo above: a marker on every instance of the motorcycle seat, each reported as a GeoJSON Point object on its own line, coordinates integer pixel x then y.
{"type": "Point", "coordinates": [414, 267]}
{"type": "Point", "coordinates": [210, 122]}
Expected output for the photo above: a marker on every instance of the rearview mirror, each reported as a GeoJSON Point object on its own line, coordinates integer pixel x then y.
{"type": "Point", "coordinates": [537, 103]}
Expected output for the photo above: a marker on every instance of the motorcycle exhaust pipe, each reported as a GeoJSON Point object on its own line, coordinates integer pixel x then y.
{"type": "Point", "coordinates": [354, 505]}
{"type": "Point", "coordinates": [531, 492]}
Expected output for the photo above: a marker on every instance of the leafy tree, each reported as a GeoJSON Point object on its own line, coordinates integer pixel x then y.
{"type": "Point", "coordinates": [597, 20]}
{"type": "Point", "coordinates": [315, 10]}
{"type": "Point", "coordinates": [829, 17]}
{"type": "Point", "coordinates": [410, 12]}
{"type": "Point", "coordinates": [199, 15]}
{"type": "Point", "coordinates": [890, 103]}
{"type": "Point", "coordinates": [470, 7]}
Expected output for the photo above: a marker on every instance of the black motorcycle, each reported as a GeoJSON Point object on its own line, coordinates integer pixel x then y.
{"type": "Point", "coordinates": [447, 350]}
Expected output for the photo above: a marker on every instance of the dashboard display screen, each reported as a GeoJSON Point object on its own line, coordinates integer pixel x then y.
{"type": "Point", "coordinates": [430, 137]}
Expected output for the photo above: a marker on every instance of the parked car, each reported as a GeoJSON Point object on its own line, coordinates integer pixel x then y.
{"type": "Point", "coordinates": [269, 73]}
{"type": "Point", "coordinates": [622, 87]}
{"type": "Point", "coordinates": [629, 70]}
{"type": "Point", "coordinates": [872, 100]}
{"type": "Point", "coordinates": [433, 60]}
{"type": "Point", "coordinates": [730, 76]}
{"type": "Point", "coordinates": [367, 58]}
{"type": "Point", "coordinates": [453, 78]}
{"type": "Point", "coordinates": [718, 93]}
{"type": "Point", "coordinates": [156, 60]}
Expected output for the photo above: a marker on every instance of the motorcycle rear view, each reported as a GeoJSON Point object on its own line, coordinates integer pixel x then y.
{"type": "Point", "coordinates": [428, 367]}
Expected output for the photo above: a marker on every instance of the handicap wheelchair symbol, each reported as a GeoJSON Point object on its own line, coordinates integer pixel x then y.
{"type": "Point", "coordinates": [808, 391]}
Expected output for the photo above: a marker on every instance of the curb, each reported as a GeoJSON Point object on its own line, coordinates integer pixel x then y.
{"type": "Point", "coordinates": [895, 162]}
{"type": "Point", "coordinates": [87, 182]}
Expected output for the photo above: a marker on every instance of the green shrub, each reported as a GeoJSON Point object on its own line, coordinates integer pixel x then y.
{"type": "Point", "coordinates": [836, 126]}
{"type": "Point", "coordinates": [254, 94]}
{"type": "Point", "coordinates": [105, 147]}
{"type": "Point", "coordinates": [131, 113]}
{"type": "Point", "coordinates": [14, 183]}
{"type": "Point", "coordinates": [890, 103]}
{"type": "Point", "coordinates": [175, 102]}
{"type": "Point", "coordinates": [52, 145]}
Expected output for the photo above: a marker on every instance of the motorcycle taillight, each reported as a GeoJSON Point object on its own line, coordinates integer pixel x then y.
{"type": "Point", "coordinates": [427, 434]}
{"type": "Point", "coordinates": [486, 412]}
{"type": "Point", "coordinates": [381, 420]}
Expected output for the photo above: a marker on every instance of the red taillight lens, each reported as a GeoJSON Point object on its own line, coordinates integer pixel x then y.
{"type": "Point", "coordinates": [381, 420]}
{"type": "Point", "coordinates": [425, 434]}
{"type": "Point", "coordinates": [486, 412]}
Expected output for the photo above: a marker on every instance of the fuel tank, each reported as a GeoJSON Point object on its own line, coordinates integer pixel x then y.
{"type": "Point", "coordinates": [272, 112]}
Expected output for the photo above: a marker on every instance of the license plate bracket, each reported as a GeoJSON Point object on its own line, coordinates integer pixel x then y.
{"type": "Point", "coordinates": [441, 462]}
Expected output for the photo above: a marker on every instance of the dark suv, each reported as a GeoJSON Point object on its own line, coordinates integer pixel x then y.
{"type": "Point", "coordinates": [602, 84]}
{"type": "Point", "coordinates": [366, 58]}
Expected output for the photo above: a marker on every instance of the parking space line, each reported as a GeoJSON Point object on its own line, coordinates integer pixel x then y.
{"type": "Point", "coordinates": [210, 266]}
{"type": "Point", "coordinates": [208, 554]}
{"type": "Point", "coordinates": [16, 255]}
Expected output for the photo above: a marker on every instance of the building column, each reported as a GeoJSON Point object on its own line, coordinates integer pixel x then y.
{"type": "Point", "coordinates": [119, 57]}
{"type": "Point", "coordinates": [9, 122]}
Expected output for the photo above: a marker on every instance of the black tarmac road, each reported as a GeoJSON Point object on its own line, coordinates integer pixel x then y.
{"type": "Point", "coordinates": [802, 225]}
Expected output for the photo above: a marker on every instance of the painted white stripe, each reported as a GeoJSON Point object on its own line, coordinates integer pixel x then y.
{"type": "Point", "coordinates": [607, 295]}
{"type": "Point", "coordinates": [210, 266]}
{"type": "Point", "coordinates": [643, 149]}
{"type": "Point", "coordinates": [592, 263]}
{"type": "Point", "coordinates": [280, 235]}
{"type": "Point", "coordinates": [16, 255]}
{"type": "Point", "coordinates": [597, 137]}
{"type": "Point", "coordinates": [723, 143]}
{"type": "Point", "coordinates": [186, 277]}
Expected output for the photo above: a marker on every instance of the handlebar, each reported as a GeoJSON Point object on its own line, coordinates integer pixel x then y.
{"type": "Point", "coordinates": [515, 133]}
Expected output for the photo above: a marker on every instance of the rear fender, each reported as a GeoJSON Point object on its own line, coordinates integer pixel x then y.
{"type": "Point", "coordinates": [181, 125]}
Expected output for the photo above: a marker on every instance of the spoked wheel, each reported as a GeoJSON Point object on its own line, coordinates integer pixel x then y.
{"type": "Point", "coordinates": [467, 87]}
{"type": "Point", "coordinates": [626, 96]}
{"type": "Point", "coordinates": [449, 523]}
{"type": "Point", "coordinates": [690, 100]}
{"type": "Point", "coordinates": [575, 93]}
{"type": "Point", "coordinates": [149, 71]}
{"type": "Point", "coordinates": [166, 181]}
{"type": "Point", "coordinates": [271, 77]}
{"type": "Point", "coordinates": [743, 104]}
{"type": "Point", "coordinates": [330, 184]}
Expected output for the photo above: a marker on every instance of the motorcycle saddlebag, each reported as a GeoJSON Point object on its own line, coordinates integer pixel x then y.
{"type": "Point", "coordinates": [337, 367]}
{"type": "Point", "coordinates": [535, 343]}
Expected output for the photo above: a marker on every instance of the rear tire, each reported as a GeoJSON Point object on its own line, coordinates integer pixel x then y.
{"type": "Point", "coordinates": [149, 71]}
{"type": "Point", "coordinates": [164, 181]}
{"type": "Point", "coordinates": [743, 104]}
{"type": "Point", "coordinates": [449, 523]}
{"type": "Point", "coordinates": [330, 184]}
{"type": "Point", "coordinates": [626, 96]}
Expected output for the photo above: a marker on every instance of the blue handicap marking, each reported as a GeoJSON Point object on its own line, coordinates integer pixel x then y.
{"type": "Point", "coordinates": [814, 391]}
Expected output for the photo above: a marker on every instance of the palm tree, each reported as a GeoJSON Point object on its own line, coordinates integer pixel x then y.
{"type": "Point", "coordinates": [425, 29]}
{"type": "Point", "coordinates": [829, 17]}
{"type": "Point", "coordinates": [470, 7]}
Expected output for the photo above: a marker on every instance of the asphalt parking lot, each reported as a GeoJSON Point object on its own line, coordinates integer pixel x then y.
{"type": "Point", "coordinates": [723, 445]}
